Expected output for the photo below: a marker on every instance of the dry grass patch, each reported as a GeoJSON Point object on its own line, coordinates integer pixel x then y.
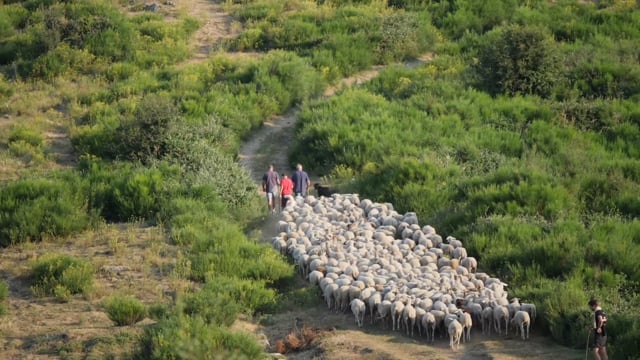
{"type": "Point", "coordinates": [130, 260]}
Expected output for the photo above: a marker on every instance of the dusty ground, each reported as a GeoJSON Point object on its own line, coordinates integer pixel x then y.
{"type": "Point", "coordinates": [129, 260]}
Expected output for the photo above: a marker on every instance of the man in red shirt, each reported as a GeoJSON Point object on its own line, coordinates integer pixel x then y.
{"type": "Point", "coordinates": [286, 189]}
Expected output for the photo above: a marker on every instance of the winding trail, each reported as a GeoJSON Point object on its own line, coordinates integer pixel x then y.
{"type": "Point", "coordinates": [270, 144]}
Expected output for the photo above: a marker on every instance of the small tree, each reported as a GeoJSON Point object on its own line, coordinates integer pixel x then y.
{"type": "Point", "coordinates": [518, 60]}
{"type": "Point", "coordinates": [143, 138]}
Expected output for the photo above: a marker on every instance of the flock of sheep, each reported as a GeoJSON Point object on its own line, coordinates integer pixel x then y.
{"type": "Point", "coordinates": [367, 257]}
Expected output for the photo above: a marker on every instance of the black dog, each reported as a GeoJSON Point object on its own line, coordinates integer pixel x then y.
{"type": "Point", "coordinates": [324, 190]}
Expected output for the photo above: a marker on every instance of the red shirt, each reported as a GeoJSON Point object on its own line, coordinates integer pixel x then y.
{"type": "Point", "coordinates": [287, 186]}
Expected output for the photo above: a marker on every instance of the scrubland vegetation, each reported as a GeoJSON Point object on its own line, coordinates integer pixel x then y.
{"type": "Point", "coordinates": [521, 138]}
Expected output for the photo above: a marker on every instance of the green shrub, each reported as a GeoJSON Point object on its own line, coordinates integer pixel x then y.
{"type": "Point", "coordinates": [34, 208]}
{"type": "Point", "coordinates": [26, 152]}
{"type": "Point", "coordinates": [125, 310]}
{"type": "Point", "coordinates": [61, 61]}
{"type": "Point", "coordinates": [478, 17]}
{"type": "Point", "coordinates": [518, 60]}
{"type": "Point", "coordinates": [185, 337]}
{"type": "Point", "coordinates": [220, 309]}
{"type": "Point", "coordinates": [143, 138]}
{"type": "Point", "coordinates": [122, 192]}
{"type": "Point", "coordinates": [4, 290]}
{"type": "Point", "coordinates": [26, 135]}
{"type": "Point", "coordinates": [225, 250]}
{"type": "Point", "coordinates": [159, 311]}
{"type": "Point", "coordinates": [4, 294]}
{"type": "Point", "coordinates": [60, 275]}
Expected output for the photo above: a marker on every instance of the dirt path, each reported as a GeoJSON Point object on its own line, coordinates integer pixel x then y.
{"type": "Point", "coordinates": [270, 144]}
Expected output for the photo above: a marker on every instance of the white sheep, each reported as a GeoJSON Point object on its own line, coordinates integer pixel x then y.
{"type": "Point", "coordinates": [500, 315]}
{"type": "Point", "coordinates": [358, 308]}
{"type": "Point", "coordinates": [374, 301]}
{"type": "Point", "coordinates": [487, 320]}
{"type": "Point", "coordinates": [409, 318]}
{"type": "Point", "coordinates": [396, 314]}
{"type": "Point", "coordinates": [315, 276]}
{"type": "Point", "coordinates": [521, 321]}
{"type": "Point", "coordinates": [429, 323]}
{"type": "Point", "coordinates": [531, 309]}
{"type": "Point", "coordinates": [470, 263]}
{"type": "Point", "coordinates": [465, 320]}
{"type": "Point", "coordinates": [455, 333]}
{"type": "Point", "coordinates": [384, 309]}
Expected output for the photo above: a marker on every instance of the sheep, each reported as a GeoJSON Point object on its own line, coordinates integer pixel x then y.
{"type": "Point", "coordinates": [465, 320]}
{"type": "Point", "coordinates": [459, 253]}
{"type": "Point", "coordinates": [315, 276]}
{"type": "Point", "coordinates": [531, 309]}
{"type": "Point", "coordinates": [374, 301]}
{"type": "Point", "coordinates": [455, 332]}
{"type": "Point", "coordinates": [487, 320]}
{"type": "Point", "coordinates": [501, 313]}
{"type": "Point", "coordinates": [409, 317]}
{"type": "Point", "coordinates": [396, 313]}
{"type": "Point", "coordinates": [521, 321]}
{"type": "Point", "coordinates": [470, 263]}
{"type": "Point", "coordinates": [329, 295]}
{"type": "Point", "coordinates": [358, 309]}
{"type": "Point", "coordinates": [429, 322]}
{"type": "Point", "coordinates": [384, 309]}
{"type": "Point", "coordinates": [513, 306]}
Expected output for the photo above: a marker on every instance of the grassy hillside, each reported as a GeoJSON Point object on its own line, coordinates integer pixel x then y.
{"type": "Point", "coordinates": [521, 138]}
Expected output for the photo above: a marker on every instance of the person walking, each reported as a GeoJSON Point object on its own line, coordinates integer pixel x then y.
{"type": "Point", "coordinates": [286, 189]}
{"type": "Point", "coordinates": [301, 181]}
{"type": "Point", "coordinates": [600, 329]}
{"type": "Point", "coordinates": [270, 184]}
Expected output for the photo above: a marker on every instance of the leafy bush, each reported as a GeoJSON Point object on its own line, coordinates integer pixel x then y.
{"type": "Point", "coordinates": [220, 309]}
{"type": "Point", "coordinates": [123, 192]}
{"type": "Point", "coordinates": [518, 60]}
{"type": "Point", "coordinates": [185, 337]}
{"type": "Point", "coordinates": [34, 208]}
{"type": "Point", "coordinates": [26, 135]}
{"type": "Point", "coordinates": [225, 250]}
{"type": "Point", "coordinates": [57, 274]}
{"type": "Point", "coordinates": [125, 310]}
{"type": "Point", "coordinates": [143, 138]}
{"type": "Point", "coordinates": [4, 293]}
{"type": "Point", "coordinates": [26, 152]}
{"type": "Point", "coordinates": [4, 290]}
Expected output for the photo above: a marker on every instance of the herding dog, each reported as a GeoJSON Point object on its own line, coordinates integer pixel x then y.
{"type": "Point", "coordinates": [324, 190]}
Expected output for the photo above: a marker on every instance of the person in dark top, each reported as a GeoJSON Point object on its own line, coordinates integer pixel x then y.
{"type": "Point", "coordinates": [301, 181]}
{"type": "Point", "coordinates": [270, 184]}
{"type": "Point", "coordinates": [600, 329]}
